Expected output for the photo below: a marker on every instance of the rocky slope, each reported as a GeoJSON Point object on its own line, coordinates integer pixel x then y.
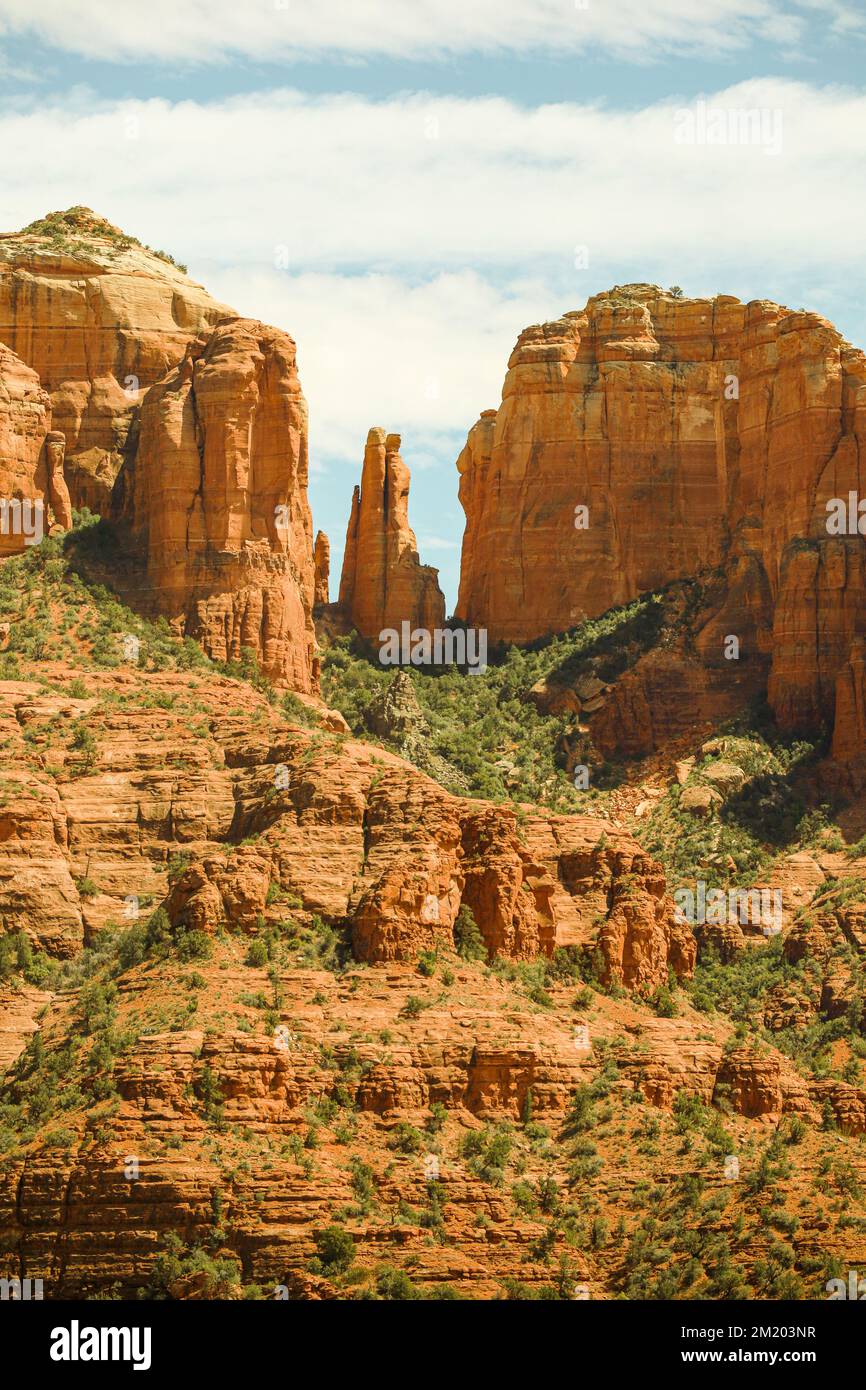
{"type": "Point", "coordinates": [267, 990]}
{"type": "Point", "coordinates": [649, 438]}
{"type": "Point", "coordinates": [252, 1138]}
{"type": "Point", "coordinates": [349, 831]}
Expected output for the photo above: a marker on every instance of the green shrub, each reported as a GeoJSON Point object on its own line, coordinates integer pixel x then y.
{"type": "Point", "coordinates": [427, 962]}
{"type": "Point", "coordinates": [257, 953]}
{"type": "Point", "coordinates": [467, 935]}
{"type": "Point", "coordinates": [335, 1248]}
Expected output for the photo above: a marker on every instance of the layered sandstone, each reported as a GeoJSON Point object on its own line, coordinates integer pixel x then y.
{"type": "Point", "coordinates": [697, 435]}
{"type": "Point", "coordinates": [32, 471]}
{"type": "Point", "coordinates": [383, 582]}
{"type": "Point", "coordinates": [215, 497]}
{"type": "Point", "coordinates": [349, 1049]}
{"type": "Point", "coordinates": [99, 318]}
{"type": "Point", "coordinates": [266, 827]}
{"type": "Point", "coordinates": [352, 832]}
{"type": "Point", "coordinates": [849, 729]}
{"type": "Point", "coordinates": [25, 418]}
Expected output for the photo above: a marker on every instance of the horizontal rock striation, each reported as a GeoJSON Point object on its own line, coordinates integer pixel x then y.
{"type": "Point", "coordinates": [99, 318]}
{"type": "Point", "coordinates": [215, 497]}
{"type": "Point", "coordinates": [698, 435]}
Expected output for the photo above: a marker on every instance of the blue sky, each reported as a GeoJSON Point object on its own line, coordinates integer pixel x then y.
{"type": "Point", "coordinates": [405, 186]}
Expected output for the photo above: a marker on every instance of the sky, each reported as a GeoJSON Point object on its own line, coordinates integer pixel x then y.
{"type": "Point", "coordinates": [404, 185]}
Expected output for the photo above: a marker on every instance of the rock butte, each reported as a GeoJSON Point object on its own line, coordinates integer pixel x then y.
{"type": "Point", "coordinates": [182, 422]}
{"type": "Point", "coordinates": [700, 434]}
{"type": "Point", "coordinates": [99, 318]}
{"type": "Point", "coordinates": [215, 498]}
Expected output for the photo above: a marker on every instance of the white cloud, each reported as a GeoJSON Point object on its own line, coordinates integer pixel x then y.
{"type": "Point", "coordinates": [201, 31]}
{"type": "Point", "coordinates": [413, 262]}
{"type": "Point", "coordinates": [419, 360]}
{"type": "Point", "coordinates": [434, 183]}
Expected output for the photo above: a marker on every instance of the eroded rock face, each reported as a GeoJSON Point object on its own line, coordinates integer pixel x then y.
{"type": "Point", "coordinates": [99, 318]}
{"type": "Point", "coordinates": [25, 418]}
{"type": "Point", "coordinates": [365, 838]}
{"type": "Point", "coordinates": [383, 582]}
{"type": "Point", "coordinates": [348, 830]}
{"type": "Point", "coordinates": [55, 482]}
{"type": "Point", "coordinates": [750, 1083]}
{"type": "Point", "coordinates": [33, 491]}
{"type": "Point", "coordinates": [697, 434]}
{"type": "Point", "coordinates": [849, 729]}
{"type": "Point", "coordinates": [216, 499]}
{"type": "Point", "coordinates": [322, 565]}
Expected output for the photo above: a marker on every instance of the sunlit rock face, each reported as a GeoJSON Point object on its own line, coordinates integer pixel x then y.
{"type": "Point", "coordinates": [648, 438]}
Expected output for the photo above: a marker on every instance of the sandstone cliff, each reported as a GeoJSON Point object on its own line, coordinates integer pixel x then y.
{"type": "Point", "coordinates": [383, 582]}
{"type": "Point", "coordinates": [99, 318]}
{"type": "Point", "coordinates": [31, 459]}
{"type": "Point", "coordinates": [25, 418]}
{"type": "Point", "coordinates": [215, 496]}
{"type": "Point", "coordinates": [649, 438]}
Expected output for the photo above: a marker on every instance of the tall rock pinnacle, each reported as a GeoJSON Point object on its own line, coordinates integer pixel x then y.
{"type": "Point", "coordinates": [383, 582]}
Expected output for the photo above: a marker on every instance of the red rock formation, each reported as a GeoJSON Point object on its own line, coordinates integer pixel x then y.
{"type": "Point", "coordinates": [617, 409]}
{"type": "Point", "coordinates": [750, 1083]}
{"type": "Point", "coordinates": [214, 486]}
{"type": "Point", "coordinates": [25, 417]}
{"type": "Point", "coordinates": [697, 434]}
{"type": "Point", "coordinates": [477, 1056]}
{"type": "Point", "coordinates": [31, 459]}
{"type": "Point", "coordinates": [849, 730]}
{"type": "Point", "coordinates": [57, 492]}
{"type": "Point", "coordinates": [351, 831]}
{"type": "Point", "coordinates": [99, 318]}
{"type": "Point", "coordinates": [216, 497]}
{"type": "Point", "coordinates": [322, 567]}
{"type": "Point", "coordinates": [19, 1009]}
{"type": "Point", "coordinates": [383, 582]}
